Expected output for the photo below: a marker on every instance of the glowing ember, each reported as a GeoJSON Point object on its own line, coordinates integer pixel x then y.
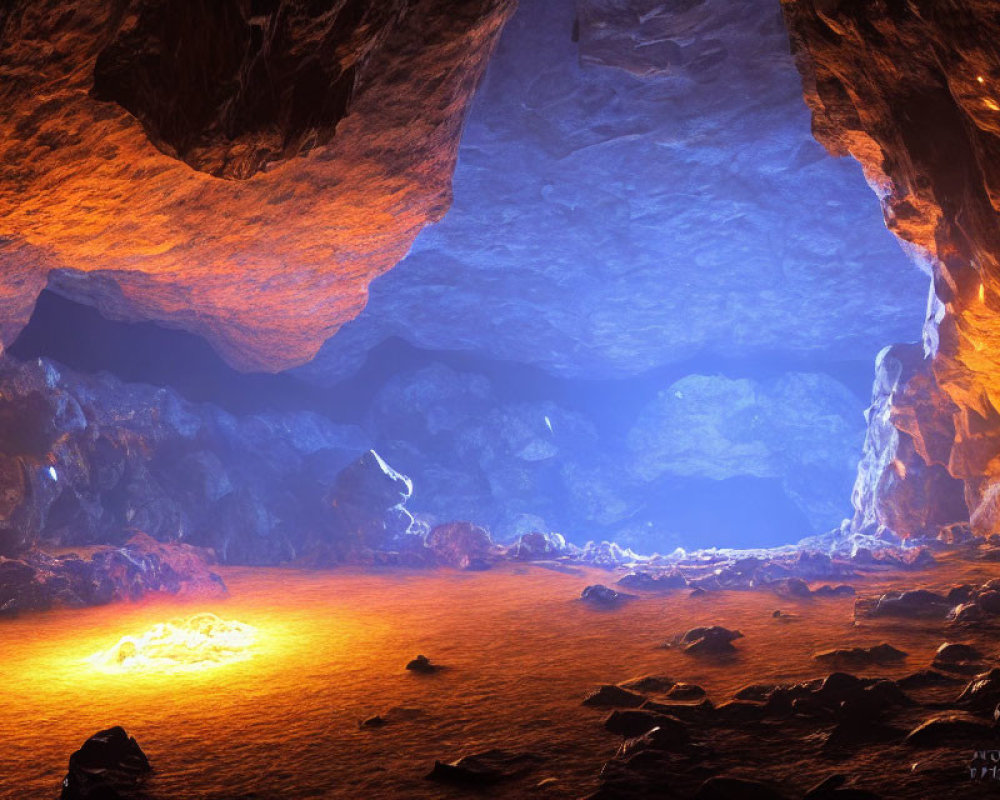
{"type": "Point", "coordinates": [204, 640]}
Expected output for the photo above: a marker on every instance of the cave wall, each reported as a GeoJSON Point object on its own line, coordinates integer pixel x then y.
{"type": "Point", "coordinates": [643, 192]}
{"type": "Point", "coordinates": [910, 89]}
{"type": "Point", "coordinates": [241, 170]}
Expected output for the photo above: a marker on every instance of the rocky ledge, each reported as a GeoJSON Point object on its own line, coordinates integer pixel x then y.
{"type": "Point", "coordinates": [38, 581]}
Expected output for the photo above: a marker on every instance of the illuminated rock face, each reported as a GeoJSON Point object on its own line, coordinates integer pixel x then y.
{"type": "Point", "coordinates": [339, 119]}
{"type": "Point", "coordinates": [912, 90]}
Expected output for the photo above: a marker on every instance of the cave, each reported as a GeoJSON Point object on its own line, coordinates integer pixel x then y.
{"type": "Point", "coordinates": [480, 398]}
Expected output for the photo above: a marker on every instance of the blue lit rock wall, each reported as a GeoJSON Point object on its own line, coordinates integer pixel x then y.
{"type": "Point", "coordinates": [644, 194]}
{"type": "Point", "coordinates": [638, 187]}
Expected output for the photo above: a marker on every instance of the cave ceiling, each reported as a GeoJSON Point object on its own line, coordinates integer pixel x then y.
{"type": "Point", "coordinates": [242, 170]}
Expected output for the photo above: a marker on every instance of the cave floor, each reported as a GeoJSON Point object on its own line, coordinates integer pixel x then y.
{"type": "Point", "coordinates": [519, 650]}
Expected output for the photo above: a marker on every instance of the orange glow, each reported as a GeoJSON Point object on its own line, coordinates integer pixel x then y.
{"type": "Point", "coordinates": [201, 641]}
{"type": "Point", "coordinates": [982, 293]}
{"type": "Point", "coordinates": [991, 104]}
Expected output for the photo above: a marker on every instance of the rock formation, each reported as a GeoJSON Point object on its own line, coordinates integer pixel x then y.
{"type": "Point", "coordinates": [242, 170]}
{"type": "Point", "coordinates": [95, 459]}
{"type": "Point", "coordinates": [911, 91]}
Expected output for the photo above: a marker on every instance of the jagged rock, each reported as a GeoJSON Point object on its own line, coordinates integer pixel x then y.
{"type": "Point", "coordinates": [109, 765]}
{"type": "Point", "coordinates": [462, 545]}
{"type": "Point", "coordinates": [483, 769]}
{"type": "Point", "coordinates": [878, 654]}
{"type": "Point", "coordinates": [713, 640]}
{"type": "Point", "coordinates": [610, 696]}
{"type": "Point", "coordinates": [602, 597]}
{"type": "Point", "coordinates": [423, 665]}
{"type": "Point", "coordinates": [366, 502]}
{"type": "Point", "coordinates": [951, 730]}
{"type": "Point", "coordinates": [792, 588]}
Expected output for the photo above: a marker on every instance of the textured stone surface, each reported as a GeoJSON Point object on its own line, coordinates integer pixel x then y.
{"type": "Point", "coordinates": [647, 194]}
{"type": "Point", "coordinates": [261, 488]}
{"type": "Point", "coordinates": [99, 203]}
{"type": "Point", "coordinates": [903, 482]}
{"type": "Point", "coordinates": [37, 581]}
{"type": "Point", "coordinates": [518, 467]}
{"type": "Point", "coordinates": [923, 118]}
{"type": "Point", "coordinates": [800, 429]}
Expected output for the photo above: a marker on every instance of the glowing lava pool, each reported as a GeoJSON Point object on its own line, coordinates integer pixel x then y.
{"type": "Point", "coordinates": [281, 720]}
{"type": "Point", "coordinates": [199, 642]}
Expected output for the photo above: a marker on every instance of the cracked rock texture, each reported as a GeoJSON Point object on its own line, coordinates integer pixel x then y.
{"type": "Point", "coordinates": [923, 118]}
{"type": "Point", "coordinates": [242, 170]}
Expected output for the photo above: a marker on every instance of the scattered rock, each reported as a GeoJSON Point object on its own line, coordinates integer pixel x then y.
{"type": "Point", "coordinates": [951, 730]}
{"type": "Point", "coordinates": [650, 684]}
{"type": "Point", "coordinates": [423, 665]}
{"type": "Point", "coordinates": [601, 596]}
{"type": "Point", "coordinates": [609, 696]}
{"type": "Point", "coordinates": [712, 640]}
{"type": "Point", "coordinates": [879, 654]}
{"type": "Point", "coordinates": [536, 546]}
{"type": "Point", "coordinates": [925, 678]}
{"type": "Point", "coordinates": [482, 769]}
{"type": "Point", "coordinates": [841, 590]}
{"type": "Point", "coordinates": [686, 691]}
{"type": "Point", "coordinates": [915, 604]}
{"type": "Point", "coordinates": [982, 694]}
{"type": "Point", "coordinates": [462, 545]}
{"type": "Point", "coordinates": [109, 765]}
{"type": "Point", "coordinates": [649, 582]}
{"type": "Point", "coordinates": [636, 722]}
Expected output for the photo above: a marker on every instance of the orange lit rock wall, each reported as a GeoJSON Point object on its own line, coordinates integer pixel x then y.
{"type": "Point", "coordinates": [281, 156]}
{"type": "Point", "coordinates": [912, 91]}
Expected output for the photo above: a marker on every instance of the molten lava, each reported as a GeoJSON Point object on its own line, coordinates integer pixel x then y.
{"type": "Point", "coordinates": [203, 640]}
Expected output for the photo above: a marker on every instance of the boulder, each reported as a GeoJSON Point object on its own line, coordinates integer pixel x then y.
{"type": "Point", "coordinates": [950, 730]}
{"type": "Point", "coordinates": [600, 596]}
{"type": "Point", "coordinates": [878, 654]}
{"type": "Point", "coordinates": [483, 769]}
{"type": "Point", "coordinates": [422, 664]}
{"type": "Point", "coordinates": [610, 696]}
{"type": "Point", "coordinates": [109, 766]}
{"type": "Point", "coordinates": [713, 640]}
{"type": "Point", "coordinates": [462, 545]}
